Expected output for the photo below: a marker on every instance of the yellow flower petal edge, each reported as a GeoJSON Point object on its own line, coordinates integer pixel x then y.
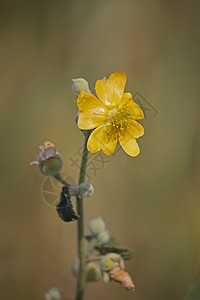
{"type": "Point", "coordinates": [113, 113]}
{"type": "Point", "coordinates": [103, 138]}
{"type": "Point", "coordinates": [111, 91]}
{"type": "Point", "coordinates": [129, 145]}
{"type": "Point", "coordinates": [92, 111]}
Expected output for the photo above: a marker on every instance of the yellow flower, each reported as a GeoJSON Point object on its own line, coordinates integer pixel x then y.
{"type": "Point", "coordinates": [113, 113]}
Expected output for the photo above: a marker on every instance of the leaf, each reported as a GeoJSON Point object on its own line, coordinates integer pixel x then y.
{"type": "Point", "coordinates": [112, 242]}
{"type": "Point", "coordinates": [89, 237]}
{"type": "Point", "coordinates": [65, 208]}
{"type": "Point", "coordinates": [122, 277]}
{"type": "Point", "coordinates": [113, 246]}
{"type": "Point", "coordinates": [194, 293]}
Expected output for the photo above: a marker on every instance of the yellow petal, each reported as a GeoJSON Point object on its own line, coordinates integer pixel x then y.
{"type": "Point", "coordinates": [127, 138]}
{"type": "Point", "coordinates": [111, 92]}
{"type": "Point", "coordinates": [103, 138]}
{"type": "Point", "coordinates": [130, 146]}
{"type": "Point", "coordinates": [134, 108]}
{"type": "Point", "coordinates": [92, 112]}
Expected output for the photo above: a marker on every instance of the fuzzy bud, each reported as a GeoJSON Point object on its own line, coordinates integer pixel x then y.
{"type": "Point", "coordinates": [110, 261]}
{"type": "Point", "coordinates": [86, 189]}
{"type": "Point", "coordinates": [93, 272]}
{"type": "Point", "coordinates": [53, 294]}
{"type": "Point", "coordinates": [112, 267]}
{"type": "Point", "coordinates": [103, 237]}
{"type": "Point", "coordinates": [80, 84]}
{"type": "Point", "coordinates": [97, 226]}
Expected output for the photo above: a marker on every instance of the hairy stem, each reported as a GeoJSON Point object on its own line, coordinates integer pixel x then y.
{"type": "Point", "coordinates": [81, 239]}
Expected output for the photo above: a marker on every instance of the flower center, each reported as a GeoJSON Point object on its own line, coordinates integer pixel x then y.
{"type": "Point", "coordinates": [120, 117]}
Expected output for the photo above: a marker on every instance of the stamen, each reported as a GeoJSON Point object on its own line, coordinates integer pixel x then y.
{"type": "Point", "coordinates": [120, 116]}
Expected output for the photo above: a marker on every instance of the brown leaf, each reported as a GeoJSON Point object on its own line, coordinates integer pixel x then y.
{"type": "Point", "coordinates": [122, 277]}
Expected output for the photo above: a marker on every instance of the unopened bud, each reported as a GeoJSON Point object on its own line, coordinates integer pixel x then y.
{"type": "Point", "coordinates": [86, 189]}
{"type": "Point", "coordinates": [97, 226]}
{"type": "Point", "coordinates": [80, 84]}
{"type": "Point", "coordinates": [52, 166]}
{"type": "Point", "coordinates": [49, 160]}
{"type": "Point", "coordinates": [103, 237]}
{"type": "Point", "coordinates": [53, 294]}
{"type": "Point", "coordinates": [110, 261]}
{"type": "Point", "coordinates": [93, 272]}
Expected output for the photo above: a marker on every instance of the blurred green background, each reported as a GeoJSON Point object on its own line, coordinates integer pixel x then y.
{"type": "Point", "coordinates": [150, 203]}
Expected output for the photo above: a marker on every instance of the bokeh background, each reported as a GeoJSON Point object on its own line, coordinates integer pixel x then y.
{"type": "Point", "coordinates": [150, 203]}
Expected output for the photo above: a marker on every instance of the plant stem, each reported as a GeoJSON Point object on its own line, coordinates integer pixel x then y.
{"type": "Point", "coordinates": [80, 210]}
{"type": "Point", "coordinates": [61, 179]}
{"type": "Point", "coordinates": [80, 288]}
{"type": "Point", "coordinates": [91, 259]}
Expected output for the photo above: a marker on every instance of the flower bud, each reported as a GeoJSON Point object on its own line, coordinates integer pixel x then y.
{"type": "Point", "coordinates": [53, 294]}
{"type": "Point", "coordinates": [80, 84]}
{"type": "Point", "coordinates": [97, 226]}
{"type": "Point", "coordinates": [49, 160]}
{"type": "Point", "coordinates": [103, 237]}
{"type": "Point", "coordinates": [86, 189]}
{"type": "Point", "coordinates": [52, 166]}
{"type": "Point", "coordinates": [110, 261]}
{"type": "Point", "coordinates": [93, 272]}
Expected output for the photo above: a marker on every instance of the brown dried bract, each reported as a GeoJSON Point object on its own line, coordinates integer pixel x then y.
{"type": "Point", "coordinates": [122, 277]}
{"type": "Point", "coordinates": [47, 150]}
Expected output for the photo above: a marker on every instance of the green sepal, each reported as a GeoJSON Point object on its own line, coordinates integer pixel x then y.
{"type": "Point", "coordinates": [113, 246]}
{"type": "Point", "coordinates": [65, 208]}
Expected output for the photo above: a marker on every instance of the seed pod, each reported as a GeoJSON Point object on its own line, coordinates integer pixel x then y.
{"type": "Point", "coordinates": [50, 160]}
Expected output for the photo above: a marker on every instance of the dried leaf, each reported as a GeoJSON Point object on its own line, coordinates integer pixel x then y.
{"type": "Point", "coordinates": [121, 276]}
{"type": "Point", "coordinates": [47, 150]}
{"type": "Point", "coordinates": [65, 208]}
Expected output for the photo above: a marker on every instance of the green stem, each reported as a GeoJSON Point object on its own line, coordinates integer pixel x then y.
{"type": "Point", "coordinates": [91, 259]}
{"type": "Point", "coordinates": [80, 210]}
{"type": "Point", "coordinates": [80, 288]}
{"type": "Point", "coordinates": [61, 179]}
